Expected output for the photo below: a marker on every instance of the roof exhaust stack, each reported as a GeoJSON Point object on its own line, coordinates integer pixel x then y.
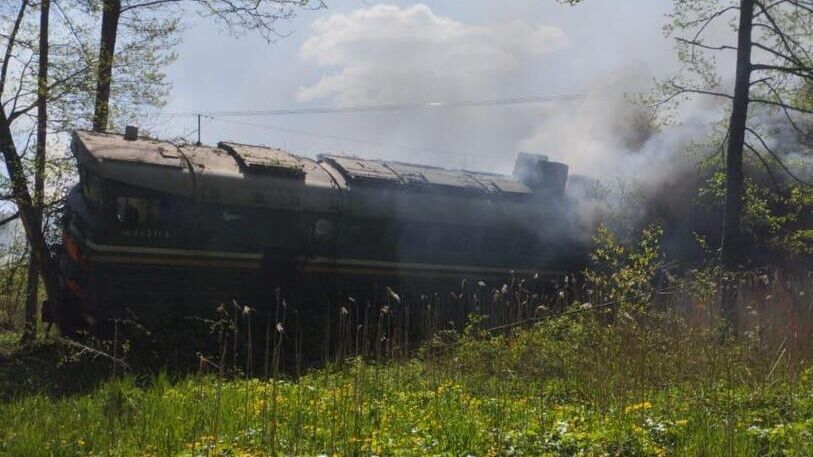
{"type": "Point", "coordinates": [130, 133]}
{"type": "Point", "coordinates": [540, 174]}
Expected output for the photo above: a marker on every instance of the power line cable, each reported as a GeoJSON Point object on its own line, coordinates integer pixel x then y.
{"type": "Point", "coordinates": [383, 107]}
{"type": "Point", "coordinates": [344, 138]}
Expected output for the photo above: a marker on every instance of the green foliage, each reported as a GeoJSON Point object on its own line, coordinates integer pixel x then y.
{"type": "Point", "coordinates": [773, 219]}
{"type": "Point", "coordinates": [624, 273]}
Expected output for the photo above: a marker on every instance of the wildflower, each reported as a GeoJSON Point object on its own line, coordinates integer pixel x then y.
{"type": "Point", "coordinates": [656, 426]}
{"type": "Point", "coordinates": [681, 422]}
{"type": "Point", "coordinates": [638, 406]}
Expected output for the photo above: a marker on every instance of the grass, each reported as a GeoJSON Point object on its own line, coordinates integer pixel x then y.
{"type": "Point", "coordinates": [562, 387]}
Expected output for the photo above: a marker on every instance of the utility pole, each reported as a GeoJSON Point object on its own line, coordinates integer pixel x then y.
{"type": "Point", "coordinates": [198, 143]}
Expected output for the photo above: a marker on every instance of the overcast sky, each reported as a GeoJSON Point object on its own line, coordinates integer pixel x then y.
{"type": "Point", "coordinates": [363, 52]}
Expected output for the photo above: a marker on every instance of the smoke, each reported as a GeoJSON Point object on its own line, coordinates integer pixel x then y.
{"type": "Point", "coordinates": [388, 54]}
{"type": "Point", "coordinates": [611, 136]}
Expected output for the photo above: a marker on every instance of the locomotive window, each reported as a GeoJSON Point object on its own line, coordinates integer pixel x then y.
{"type": "Point", "coordinates": [91, 188]}
{"type": "Point", "coordinates": [134, 212]}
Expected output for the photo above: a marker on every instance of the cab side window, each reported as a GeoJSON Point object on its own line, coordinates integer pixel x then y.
{"type": "Point", "coordinates": [137, 212]}
{"type": "Point", "coordinates": [91, 188]}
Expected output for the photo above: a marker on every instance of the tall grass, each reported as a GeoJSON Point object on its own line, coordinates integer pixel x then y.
{"type": "Point", "coordinates": [561, 388]}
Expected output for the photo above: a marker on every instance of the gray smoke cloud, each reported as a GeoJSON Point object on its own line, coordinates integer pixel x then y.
{"type": "Point", "coordinates": [389, 54]}
{"type": "Point", "coordinates": [386, 54]}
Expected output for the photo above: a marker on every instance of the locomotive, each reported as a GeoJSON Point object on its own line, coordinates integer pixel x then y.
{"type": "Point", "coordinates": [155, 227]}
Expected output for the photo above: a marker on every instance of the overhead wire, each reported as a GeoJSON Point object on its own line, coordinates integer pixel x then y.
{"type": "Point", "coordinates": [341, 138]}
{"type": "Point", "coordinates": [383, 107]}
{"type": "Point", "coordinates": [218, 116]}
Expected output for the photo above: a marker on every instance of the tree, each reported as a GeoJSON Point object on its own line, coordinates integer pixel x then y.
{"type": "Point", "coordinates": [39, 78]}
{"type": "Point", "coordinates": [16, 173]}
{"type": "Point", "coordinates": [773, 64]}
{"type": "Point", "coordinates": [236, 15]}
{"type": "Point", "coordinates": [32, 288]}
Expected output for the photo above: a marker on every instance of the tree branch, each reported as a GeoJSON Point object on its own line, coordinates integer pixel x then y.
{"type": "Point", "coordinates": [705, 46]}
{"type": "Point", "coordinates": [802, 72]}
{"type": "Point", "coordinates": [781, 105]}
{"type": "Point", "coordinates": [776, 158]}
{"type": "Point", "coordinates": [776, 53]}
{"type": "Point", "coordinates": [687, 90]}
{"type": "Point", "coordinates": [764, 164]}
{"type": "Point", "coordinates": [778, 32]}
{"type": "Point", "coordinates": [8, 219]}
{"type": "Point", "coordinates": [766, 82]}
{"type": "Point", "coordinates": [11, 41]}
{"type": "Point", "coordinates": [147, 4]}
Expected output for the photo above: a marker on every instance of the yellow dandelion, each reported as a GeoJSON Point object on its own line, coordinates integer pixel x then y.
{"type": "Point", "coordinates": [638, 407]}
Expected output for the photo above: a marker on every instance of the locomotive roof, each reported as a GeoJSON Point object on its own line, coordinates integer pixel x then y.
{"type": "Point", "coordinates": [246, 175]}
{"type": "Point", "coordinates": [380, 172]}
{"type": "Point", "coordinates": [251, 159]}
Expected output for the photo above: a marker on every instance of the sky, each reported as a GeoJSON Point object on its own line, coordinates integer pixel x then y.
{"type": "Point", "coordinates": [356, 53]}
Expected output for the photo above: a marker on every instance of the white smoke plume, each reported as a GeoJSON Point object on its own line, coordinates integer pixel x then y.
{"type": "Point", "coordinates": [388, 54]}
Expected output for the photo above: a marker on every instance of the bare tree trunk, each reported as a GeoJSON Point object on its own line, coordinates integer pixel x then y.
{"type": "Point", "coordinates": [30, 312]}
{"type": "Point", "coordinates": [107, 48]}
{"type": "Point", "coordinates": [731, 247]}
{"type": "Point", "coordinates": [32, 289]}
{"type": "Point", "coordinates": [25, 206]}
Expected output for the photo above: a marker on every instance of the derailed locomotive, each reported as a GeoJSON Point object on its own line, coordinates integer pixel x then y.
{"type": "Point", "coordinates": [156, 227]}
